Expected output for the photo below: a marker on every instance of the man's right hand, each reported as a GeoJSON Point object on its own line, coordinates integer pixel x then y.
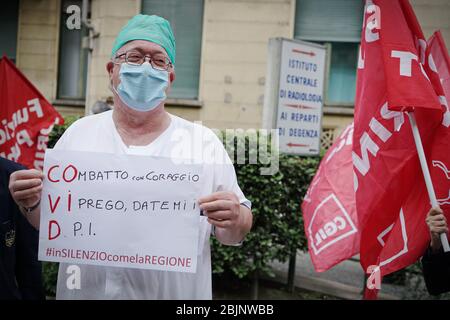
{"type": "Point", "coordinates": [437, 224]}
{"type": "Point", "coordinates": [26, 187]}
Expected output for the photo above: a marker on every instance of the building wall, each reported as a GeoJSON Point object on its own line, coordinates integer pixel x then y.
{"type": "Point", "coordinates": [108, 17]}
{"type": "Point", "coordinates": [233, 61]}
{"type": "Point", "coordinates": [37, 45]}
{"type": "Point", "coordinates": [235, 37]}
{"type": "Point", "coordinates": [433, 15]}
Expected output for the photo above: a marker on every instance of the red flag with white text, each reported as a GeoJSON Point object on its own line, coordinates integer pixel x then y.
{"type": "Point", "coordinates": [329, 212]}
{"type": "Point", "coordinates": [393, 76]}
{"type": "Point", "coordinates": [26, 118]}
{"type": "Point", "coordinates": [439, 160]}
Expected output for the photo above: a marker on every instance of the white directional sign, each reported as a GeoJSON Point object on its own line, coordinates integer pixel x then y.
{"type": "Point", "coordinates": [297, 71]}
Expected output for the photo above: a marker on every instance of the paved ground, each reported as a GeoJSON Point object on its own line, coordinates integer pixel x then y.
{"type": "Point", "coordinates": [344, 280]}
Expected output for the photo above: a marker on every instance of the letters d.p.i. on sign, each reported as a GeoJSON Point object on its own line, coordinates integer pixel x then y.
{"type": "Point", "coordinates": [294, 94]}
{"type": "Point", "coordinates": [120, 210]}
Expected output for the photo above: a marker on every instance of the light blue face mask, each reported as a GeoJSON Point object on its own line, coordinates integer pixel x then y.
{"type": "Point", "coordinates": [142, 88]}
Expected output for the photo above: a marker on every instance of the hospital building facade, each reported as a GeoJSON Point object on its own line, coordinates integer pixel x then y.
{"type": "Point", "coordinates": [222, 51]}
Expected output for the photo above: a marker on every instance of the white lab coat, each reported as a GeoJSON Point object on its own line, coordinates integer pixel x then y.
{"type": "Point", "coordinates": [182, 139]}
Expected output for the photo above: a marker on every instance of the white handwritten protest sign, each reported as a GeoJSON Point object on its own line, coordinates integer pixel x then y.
{"type": "Point", "coordinates": [120, 210]}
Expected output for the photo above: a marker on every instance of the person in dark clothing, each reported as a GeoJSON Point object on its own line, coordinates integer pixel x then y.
{"type": "Point", "coordinates": [20, 270]}
{"type": "Point", "coordinates": [436, 262]}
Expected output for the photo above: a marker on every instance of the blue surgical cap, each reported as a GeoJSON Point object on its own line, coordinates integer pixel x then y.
{"type": "Point", "coordinates": [150, 28]}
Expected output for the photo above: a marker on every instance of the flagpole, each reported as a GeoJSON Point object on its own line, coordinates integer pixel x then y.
{"type": "Point", "coordinates": [426, 173]}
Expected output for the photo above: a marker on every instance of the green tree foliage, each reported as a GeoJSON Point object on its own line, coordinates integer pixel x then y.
{"type": "Point", "coordinates": [277, 220]}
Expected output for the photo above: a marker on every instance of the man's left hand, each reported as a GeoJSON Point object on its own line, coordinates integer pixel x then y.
{"type": "Point", "coordinates": [222, 209]}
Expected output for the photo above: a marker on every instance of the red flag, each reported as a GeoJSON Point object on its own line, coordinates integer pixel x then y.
{"type": "Point", "coordinates": [391, 197]}
{"type": "Point", "coordinates": [329, 212]}
{"type": "Point", "coordinates": [439, 65]}
{"type": "Point", "coordinates": [26, 118]}
{"type": "Point", "coordinates": [403, 47]}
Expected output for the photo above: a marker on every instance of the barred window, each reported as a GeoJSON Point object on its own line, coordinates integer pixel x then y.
{"type": "Point", "coordinates": [327, 138]}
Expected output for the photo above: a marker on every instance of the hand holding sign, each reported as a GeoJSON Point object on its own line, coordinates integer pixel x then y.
{"type": "Point", "coordinates": [221, 208]}
{"type": "Point", "coordinates": [232, 220]}
{"type": "Point", "coordinates": [26, 187]}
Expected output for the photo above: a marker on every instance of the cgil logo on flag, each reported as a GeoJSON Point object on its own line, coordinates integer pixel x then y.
{"type": "Point", "coordinates": [330, 223]}
{"type": "Point", "coordinates": [329, 212]}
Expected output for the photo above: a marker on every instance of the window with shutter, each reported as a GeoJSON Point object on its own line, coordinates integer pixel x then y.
{"type": "Point", "coordinates": [338, 23]}
{"type": "Point", "coordinates": [72, 64]}
{"type": "Point", "coordinates": [186, 19]}
{"type": "Point", "coordinates": [8, 35]}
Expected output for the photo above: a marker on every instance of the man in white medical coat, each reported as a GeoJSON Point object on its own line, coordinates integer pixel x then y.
{"type": "Point", "coordinates": [141, 71]}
